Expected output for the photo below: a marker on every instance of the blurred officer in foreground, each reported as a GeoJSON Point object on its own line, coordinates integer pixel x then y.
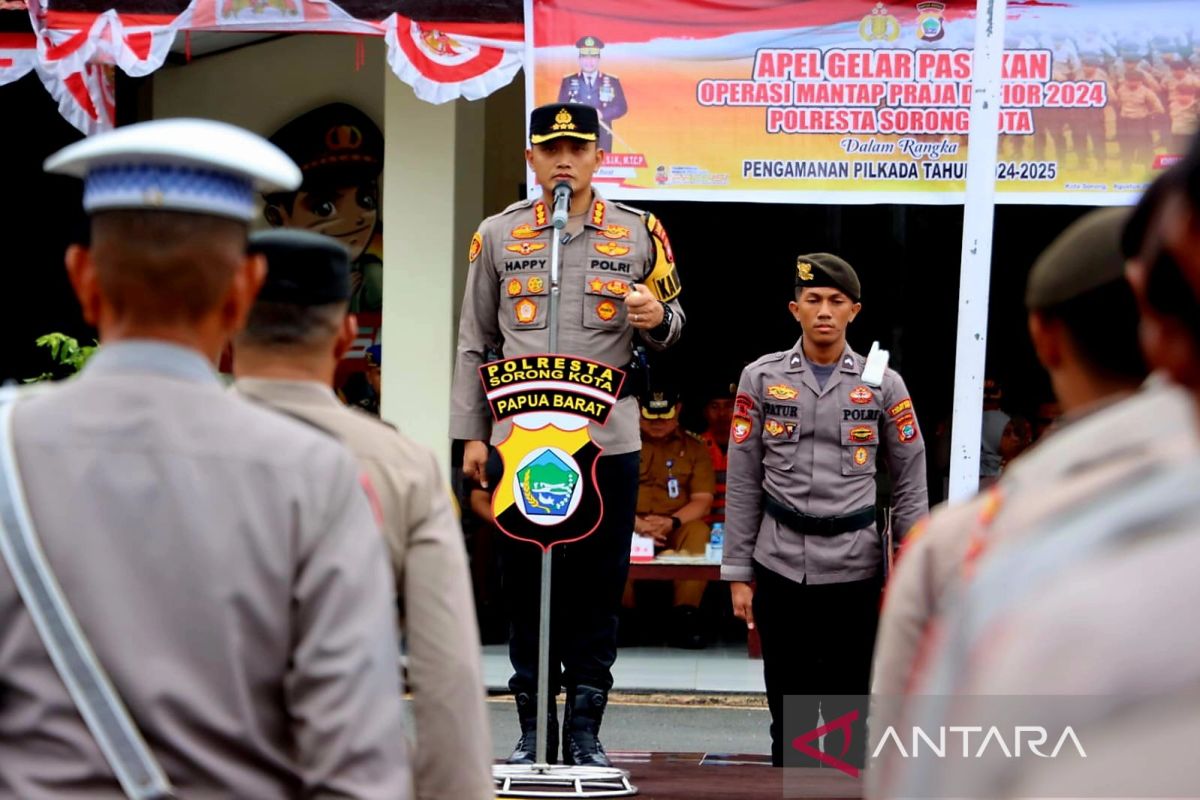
{"type": "Point", "coordinates": [202, 540]}
{"type": "Point", "coordinates": [800, 504]}
{"type": "Point", "coordinates": [1083, 321]}
{"type": "Point", "coordinates": [286, 357]}
{"type": "Point", "coordinates": [1084, 603]}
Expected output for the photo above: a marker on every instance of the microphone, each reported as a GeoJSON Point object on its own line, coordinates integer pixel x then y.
{"type": "Point", "coordinates": [562, 203]}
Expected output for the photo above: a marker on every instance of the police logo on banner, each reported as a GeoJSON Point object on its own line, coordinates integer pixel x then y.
{"type": "Point", "coordinates": [547, 493]}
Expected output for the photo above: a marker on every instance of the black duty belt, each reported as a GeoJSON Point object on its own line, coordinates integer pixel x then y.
{"type": "Point", "coordinates": [810, 525]}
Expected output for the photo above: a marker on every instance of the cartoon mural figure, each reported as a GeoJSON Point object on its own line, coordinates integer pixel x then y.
{"type": "Point", "coordinates": [340, 152]}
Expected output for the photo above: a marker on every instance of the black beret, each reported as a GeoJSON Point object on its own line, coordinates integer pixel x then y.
{"type": "Point", "coordinates": [563, 119]}
{"type": "Point", "coordinates": [1086, 256]}
{"type": "Point", "coordinates": [303, 268]}
{"type": "Point", "coordinates": [332, 144]}
{"type": "Point", "coordinates": [822, 270]}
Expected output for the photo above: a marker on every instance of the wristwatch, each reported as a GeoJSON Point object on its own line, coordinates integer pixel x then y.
{"type": "Point", "coordinates": [676, 522]}
{"type": "Point", "coordinates": [663, 329]}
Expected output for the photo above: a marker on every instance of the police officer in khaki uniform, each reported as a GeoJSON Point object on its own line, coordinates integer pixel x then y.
{"type": "Point", "coordinates": [286, 358]}
{"type": "Point", "coordinates": [675, 493]}
{"type": "Point", "coordinates": [1082, 602]}
{"type": "Point", "coordinates": [203, 541]}
{"type": "Point", "coordinates": [618, 282]}
{"type": "Point", "coordinates": [1083, 321]}
{"type": "Point", "coordinates": [808, 436]}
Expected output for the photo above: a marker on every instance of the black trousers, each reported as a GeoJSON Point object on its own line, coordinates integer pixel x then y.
{"type": "Point", "coordinates": [816, 640]}
{"type": "Point", "coordinates": [587, 580]}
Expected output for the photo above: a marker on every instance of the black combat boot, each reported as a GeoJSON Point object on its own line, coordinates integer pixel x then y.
{"type": "Point", "coordinates": [524, 752]}
{"type": "Point", "coordinates": [581, 728]}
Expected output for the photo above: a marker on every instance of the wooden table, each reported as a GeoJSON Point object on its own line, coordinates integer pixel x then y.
{"type": "Point", "coordinates": [691, 569]}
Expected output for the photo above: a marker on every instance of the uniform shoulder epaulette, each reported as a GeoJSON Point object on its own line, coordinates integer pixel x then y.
{"type": "Point", "coordinates": [630, 209]}
{"type": "Point", "coordinates": [610, 75]}
{"type": "Point", "coordinates": [769, 358]}
{"type": "Point", "coordinates": [517, 206]}
{"type": "Point", "coordinates": [695, 436]}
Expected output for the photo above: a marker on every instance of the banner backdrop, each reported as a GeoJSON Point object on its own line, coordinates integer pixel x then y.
{"type": "Point", "coordinates": [866, 102]}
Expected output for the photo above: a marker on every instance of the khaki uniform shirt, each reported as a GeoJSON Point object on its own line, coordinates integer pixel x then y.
{"type": "Point", "coordinates": [1076, 596]}
{"type": "Point", "coordinates": [681, 456]}
{"type": "Point", "coordinates": [422, 531]}
{"type": "Point", "coordinates": [817, 450]}
{"type": "Point", "coordinates": [1085, 458]}
{"type": "Point", "coordinates": [225, 564]}
{"type": "Point", "coordinates": [507, 304]}
{"type": "Point", "coordinates": [1138, 101]}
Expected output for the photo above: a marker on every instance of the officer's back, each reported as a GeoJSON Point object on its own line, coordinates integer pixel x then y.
{"type": "Point", "coordinates": [222, 561]}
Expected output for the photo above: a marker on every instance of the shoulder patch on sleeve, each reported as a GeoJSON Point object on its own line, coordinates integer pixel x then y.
{"type": "Point", "coordinates": [476, 247]}
{"type": "Point", "coordinates": [663, 280]}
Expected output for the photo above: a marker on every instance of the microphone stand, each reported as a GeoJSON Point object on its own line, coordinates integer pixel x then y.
{"type": "Point", "coordinates": [543, 682]}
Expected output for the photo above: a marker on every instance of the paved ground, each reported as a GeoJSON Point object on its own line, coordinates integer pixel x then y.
{"type": "Point", "coordinates": [659, 723]}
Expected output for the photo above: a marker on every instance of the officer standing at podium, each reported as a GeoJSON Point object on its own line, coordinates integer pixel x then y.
{"type": "Point", "coordinates": [618, 280]}
{"type": "Point", "coordinates": [808, 433]}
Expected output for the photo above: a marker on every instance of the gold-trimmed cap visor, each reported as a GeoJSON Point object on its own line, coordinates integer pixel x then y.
{"type": "Point", "coordinates": [575, 120]}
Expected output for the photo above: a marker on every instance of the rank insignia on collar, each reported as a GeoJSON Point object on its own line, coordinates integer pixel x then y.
{"type": "Point", "coordinates": [514, 287]}
{"type": "Point", "coordinates": [598, 214]}
{"type": "Point", "coordinates": [526, 311]}
{"type": "Point", "coordinates": [606, 310]}
{"type": "Point", "coordinates": [611, 249]}
{"type": "Point", "coordinates": [541, 217]}
{"type": "Point", "coordinates": [861, 395]}
{"type": "Point", "coordinates": [848, 363]}
{"type": "Point", "coordinates": [476, 247]}
{"type": "Point", "coordinates": [525, 248]}
{"type": "Point", "coordinates": [615, 232]}
{"type": "Point", "coordinates": [795, 362]}
{"type": "Point", "coordinates": [781, 391]}
{"type": "Point", "coordinates": [525, 232]}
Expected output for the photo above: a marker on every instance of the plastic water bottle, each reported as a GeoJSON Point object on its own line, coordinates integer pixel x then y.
{"type": "Point", "coordinates": [716, 543]}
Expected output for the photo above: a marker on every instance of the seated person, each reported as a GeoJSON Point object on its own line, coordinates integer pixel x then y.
{"type": "Point", "coordinates": [718, 418]}
{"type": "Point", "coordinates": [675, 493]}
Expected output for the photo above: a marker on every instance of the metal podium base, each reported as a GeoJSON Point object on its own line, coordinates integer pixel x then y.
{"type": "Point", "coordinates": [551, 780]}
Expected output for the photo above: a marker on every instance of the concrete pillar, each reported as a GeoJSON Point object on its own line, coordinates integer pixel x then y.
{"type": "Point", "coordinates": [432, 203]}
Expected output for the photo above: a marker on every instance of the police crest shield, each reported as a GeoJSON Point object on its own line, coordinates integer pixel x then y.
{"type": "Point", "coordinates": [547, 492]}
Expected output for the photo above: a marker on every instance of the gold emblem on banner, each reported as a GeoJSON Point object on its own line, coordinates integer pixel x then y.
{"type": "Point", "coordinates": [879, 25]}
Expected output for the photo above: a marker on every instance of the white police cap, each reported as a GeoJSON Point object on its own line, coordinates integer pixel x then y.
{"type": "Point", "coordinates": [195, 165]}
